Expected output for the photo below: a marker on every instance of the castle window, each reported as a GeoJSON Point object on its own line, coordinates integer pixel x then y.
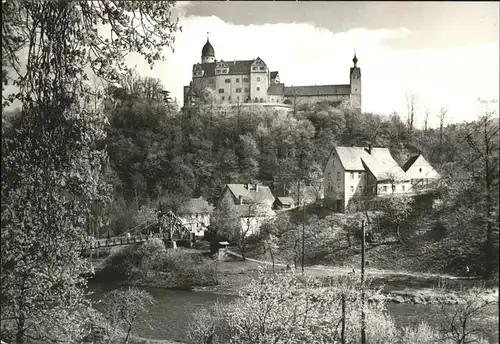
{"type": "Point", "coordinates": [393, 188]}
{"type": "Point", "coordinates": [403, 188]}
{"type": "Point", "coordinates": [420, 170]}
{"type": "Point", "coordinates": [256, 99]}
{"type": "Point", "coordinates": [258, 79]}
{"type": "Point", "coordinates": [262, 68]}
{"type": "Point", "coordinates": [237, 79]}
{"type": "Point", "coordinates": [228, 81]}
{"type": "Point", "coordinates": [217, 71]}
{"type": "Point", "coordinates": [221, 90]}
{"type": "Point", "coordinates": [384, 188]}
{"type": "Point", "coordinates": [352, 175]}
{"type": "Point", "coordinates": [261, 100]}
{"type": "Point", "coordinates": [352, 188]}
{"type": "Point", "coordinates": [359, 175]}
{"type": "Point", "coordinates": [247, 89]}
{"type": "Point", "coordinates": [229, 98]}
{"type": "Point", "coordinates": [355, 89]}
{"type": "Point", "coordinates": [222, 97]}
{"type": "Point", "coordinates": [258, 88]}
{"type": "Point", "coordinates": [254, 68]}
{"type": "Point", "coordinates": [238, 90]}
{"type": "Point", "coordinates": [245, 79]}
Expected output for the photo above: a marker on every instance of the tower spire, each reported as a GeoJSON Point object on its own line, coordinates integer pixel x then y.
{"type": "Point", "coordinates": [355, 59]}
{"type": "Point", "coordinates": [208, 35]}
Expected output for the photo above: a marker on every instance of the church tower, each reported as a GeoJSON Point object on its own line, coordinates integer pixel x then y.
{"type": "Point", "coordinates": [355, 80]}
{"type": "Point", "coordinates": [207, 53]}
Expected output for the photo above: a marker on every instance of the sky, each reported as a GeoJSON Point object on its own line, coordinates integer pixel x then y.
{"type": "Point", "coordinates": [445, 52]}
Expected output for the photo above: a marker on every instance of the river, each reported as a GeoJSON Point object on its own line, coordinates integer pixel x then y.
{"type": "Point", "coordinates": [170, 315]}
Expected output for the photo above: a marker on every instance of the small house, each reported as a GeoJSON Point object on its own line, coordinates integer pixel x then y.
{"type": "Point", "coordinates": [283, 203]}
{"type": "Point", "coordinates": [420, 171]}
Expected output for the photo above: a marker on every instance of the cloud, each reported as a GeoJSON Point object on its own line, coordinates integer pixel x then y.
{"type": "Point", "coordinates": [307, 55]}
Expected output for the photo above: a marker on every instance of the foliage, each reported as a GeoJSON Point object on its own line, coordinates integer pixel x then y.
{"type": "Point", "coordinates": [53, 157]}
{"type": "Point", "coordinates": [123, 306]}
{"type": "Point", "coordinates": [151, 262]}
{"type": "Point", "coordinates": [396, 210]}
{"type": "Point", "coordinates": [292, 308]}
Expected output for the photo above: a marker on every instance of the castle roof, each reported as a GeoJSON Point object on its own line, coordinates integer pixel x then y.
{"type": "Point", "coordinates": [276, 89]}
{"type": "Point", "coordinates": [235, 67]}
{"type": "Point", "coordinates": [274, 75]}
{"type": "Point", "coordinates": [317, 90]}
{"type": "Point", "coordinates": [207, 50]}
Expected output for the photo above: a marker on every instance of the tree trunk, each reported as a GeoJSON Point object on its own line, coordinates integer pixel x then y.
{"type": "Point", "coordinates": [348, 240]}
{"type": "Point", "coordinates": [20, 328]}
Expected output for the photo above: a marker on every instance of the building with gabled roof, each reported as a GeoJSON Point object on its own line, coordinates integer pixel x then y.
{"type": "Point", "coordinates": [360, 173]}
{"type": "Point", "coordinates": [251, 81]}
{"type": "Point", "coordinates": [252, 203]}
{"type": "Point", "coordinates": [420, 171]}
{"type": "Point", "coordinates": [195, 214]}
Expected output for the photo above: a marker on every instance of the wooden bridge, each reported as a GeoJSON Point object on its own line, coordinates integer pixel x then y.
{"type": "Point", "coordinates": [169, 227]}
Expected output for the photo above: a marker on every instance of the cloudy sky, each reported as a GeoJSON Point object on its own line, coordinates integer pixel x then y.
{"type": "Point", "coordinates": [446, 52]}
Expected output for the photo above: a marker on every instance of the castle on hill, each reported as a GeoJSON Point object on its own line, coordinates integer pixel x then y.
{"type": "Point", "coordinates": [251, 81]}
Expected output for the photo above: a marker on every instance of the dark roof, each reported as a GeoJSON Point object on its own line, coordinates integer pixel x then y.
{"type": "Point", "coordinates": [317, 90]}
{"type": "Point", "coordinates": [275, 89]}
{"type": "Point", "coordinates": [273, 75]}
{"type": "Point", "coordinates": [208, 50]}
{"type": "Point", "coordinates": [410, 162]}
{"type": "Point", "coordinates": [263, 195]}
{"type": "Point", "coordinates": [235, 67]}
{"type": "Point", "coordinates": [195, 206]}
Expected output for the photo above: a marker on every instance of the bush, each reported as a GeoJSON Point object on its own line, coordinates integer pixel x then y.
{"type": "Point", "coordinates": [151, 262]}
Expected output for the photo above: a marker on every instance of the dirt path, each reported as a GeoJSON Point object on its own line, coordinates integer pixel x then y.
{"type": "Point", "coordinates": [319, 269]}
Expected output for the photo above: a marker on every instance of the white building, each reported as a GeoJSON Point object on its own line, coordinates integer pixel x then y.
{"type": "Point", "coordinates": [421, 173]}
{"type": "Point", "coordinates": [360, 173]}
{"type": "Point", "coordinates": [195, 214]}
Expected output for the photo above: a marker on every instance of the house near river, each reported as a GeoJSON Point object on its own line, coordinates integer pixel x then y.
{"type": "Point", "coordinates": [251, 202]}
{"type": "Point", "coordinates": [360, 173]}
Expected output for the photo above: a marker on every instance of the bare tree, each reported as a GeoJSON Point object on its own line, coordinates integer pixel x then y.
{"type": "Point", "coordinates": [411, 104]}
{"type": "Point", "coordinates": [426, 119]}
{"type": "Point", "coordinates": [123, 306]}
{"type": "Point", "coordinates": [442, 115]}
{"type": "Point", "coordinates": [462, 323]}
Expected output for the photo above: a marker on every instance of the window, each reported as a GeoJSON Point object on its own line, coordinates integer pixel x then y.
{"type": "Point", "coordinates": [352, 188]}
{"type": "Point", "coordinates": [221, 90]}
{"type": "Point", "coordinates": [384, 188]}
{"type": "Point", "coordinates": [420, 170]}
{"type": "Point", "coordinates": [254, 68]}
{"type": "Point", "coordinates": [403, 188]}
{"type": "Point", "coordinates": [261, 100]}
{"type": "Point", "coordinates": [245, 79]}
{"type": "Point", "coordinates": [256, 99]}
{"type": "Point", "coordinates": [222, 97]}
{"type": "Point", "coordinates": [359, 175]}
{"type": "Point", "coordinates": [228, 81]}
{"type": "Point", "coordinates": [262, 68]}
{"type": "Point", "coordinates": [360, 188]}
{"type": "Point", "coordinates": [229, 98]}
{"type": "Point", "coordinates": [393, 188]}
{"type": "Point", "coordinates": [247, 89]}
{"type": "Point", "coordinates": [258, 78]}
{"type": "Point", "coordinates": [238, 90]}
{"type": "Point", "coordinates": [338, 175]}
{"type": "Point", "coordinates": [352, 175]}
{"type": "Point", "coordinates": [217, 71]}
{"type": "Point", "coordinates": [329, 176]}
{"type": "Point", "coordinates": [258, 88]}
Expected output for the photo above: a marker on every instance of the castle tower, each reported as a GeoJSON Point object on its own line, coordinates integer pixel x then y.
{"type": "Point", "coordinates": [355, 81]}
{"type": "Point", "coordinates": [207, 53]}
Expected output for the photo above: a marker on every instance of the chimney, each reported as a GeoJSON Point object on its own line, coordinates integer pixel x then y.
{"type": "Point", "coordinates": [240, 199]}
{"type": "Point", "coordinates": [370, 148]}
{"type": "Point", "coordinates": [256, 188]}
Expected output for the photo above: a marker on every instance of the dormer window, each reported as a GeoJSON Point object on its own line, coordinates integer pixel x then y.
{"type": "Point", "coordinates": [262, 68]}
{"type": "Point", "coordinates": [254, 68]}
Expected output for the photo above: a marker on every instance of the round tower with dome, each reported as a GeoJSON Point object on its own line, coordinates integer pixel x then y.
{"type": "Point", "coordinates": [207, 53]}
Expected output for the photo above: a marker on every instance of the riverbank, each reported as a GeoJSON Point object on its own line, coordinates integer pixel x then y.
{"type": "Point", "coordinates": [399, 287]}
